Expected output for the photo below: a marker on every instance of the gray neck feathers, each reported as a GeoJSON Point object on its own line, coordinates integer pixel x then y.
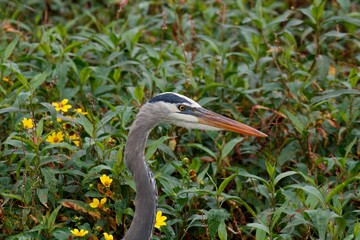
{"type": "Point", "coordinates": [146, 198]}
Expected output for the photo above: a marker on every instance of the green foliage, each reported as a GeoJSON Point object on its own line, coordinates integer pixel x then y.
{"type": "Point", "coordinates": [287, 68]}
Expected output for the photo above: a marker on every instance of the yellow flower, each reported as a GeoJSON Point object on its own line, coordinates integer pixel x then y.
{"type": "Point", "coordinates": [106, 180]}
{"type": "Point", "coordinates": [28, 123]}
{"type": "Point", "coordinates": [160, 220]}
{"type": "Point", "coordinates": [7, 80]}
{"type": "Point", "coordinates": [55, 137]}
{"type": "Point", "coordinates": [98, 204]}
{"type": "Point", "coordinates": [108, 236]}
{"type": "Point", "coordinates": [78, 233]}
{"type": "Point", "coordinates": [62, 106]}
{"type": "Point", "coordinates": [79, 110]}
{"type": "Point", "coordinates": [74, 138]}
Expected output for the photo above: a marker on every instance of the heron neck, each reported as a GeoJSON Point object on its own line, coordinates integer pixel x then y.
{"type": "Point", "coordinates": [146, 198]}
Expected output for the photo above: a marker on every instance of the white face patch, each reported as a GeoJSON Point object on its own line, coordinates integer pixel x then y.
{"type": "Point", "coordinates": [184, 117]}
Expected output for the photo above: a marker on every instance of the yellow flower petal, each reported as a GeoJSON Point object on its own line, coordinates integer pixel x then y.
{"type": "Point", "coordinates": [103, 201]}
{"type": "Point", "coordinates": [56, 106]}
{"type": "Point", "coordinates": [79, 110]}
{"type": "Point", "coordinates": [55, 137]}
{"type": "Point", "coordinates": [62, 106]}
{"type": "Point", "coordinates": [160, 220]}
{"type": "Point", "coordinates": [78, 233]}
{"type": "Point", "coordinates": [108, 236]}
{"type": "Point", "coordinates": [106, 180]}
{"type": "Point", "coordinates": [77, 143]}
{"type": "Point", "coordinates": [64, 101]}
{"type": "Point", "coordinates": [74, 138]}
{"type": "Point", "coordinates": [95, 203]}
{"type": "Point", "coordinates": [27, 123]}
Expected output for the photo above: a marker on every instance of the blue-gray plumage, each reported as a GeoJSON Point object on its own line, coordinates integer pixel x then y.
{"type": "Point", "coordinates": [170, 108]}
{"type": "Point", "coordinates": [169, 98]}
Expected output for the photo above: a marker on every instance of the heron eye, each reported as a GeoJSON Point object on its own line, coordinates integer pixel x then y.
{"type": "Point", "coordinates": [182, 107]}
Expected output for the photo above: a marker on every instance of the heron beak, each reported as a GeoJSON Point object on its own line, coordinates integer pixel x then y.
{"type": "Point", "coordinates": [210, 118]}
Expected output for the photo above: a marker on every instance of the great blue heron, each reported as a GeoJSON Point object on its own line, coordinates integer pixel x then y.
{"type": "Point", "coordinates": [170, 108]}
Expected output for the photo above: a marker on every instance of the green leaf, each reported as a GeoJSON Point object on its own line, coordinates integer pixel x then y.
{"type": "Point", "coordinates": [61, 70]}
{"type": "Point", "coordinates": [241, 202]}
{"type": "Point", "coordinates": [10, 48]}
{"type": "Point", "coordinates": [279, 211]}
{"type": "Point", "coordinates": [341, 186]}
{"type": "Point", "coordinates": [60, 234]}
{"type": "Point", "coordinates": [222, 231]}
{"type": "Point", "coordinates": [109, 116]}
{"type": "Point", "coordinates": [86, 124]}
{"type": "Point", "coordinates": [23, 80]}
{"type": "Point", "coordinates": [244, 173]}
{"type": "Point", "coordinates": [27, 193]}
{"type": "Point", "coordinates": [154, 146]}
{"type": "Point", "coordinates": [333, 94]}
{"type": "Point", "coordinates": [214, 219]}
{"type": "Point", "coordinates": [198, 191]}
{"type": "Point", "coordinates": [283, 175]}
{"type": "Point", "coordinates": [332, 34]}
{"type": "Point", "coordinates": [58, 145]}
{"type": "Point", "coordinates": [139, 93]}
{"type": "Point", "coordinates": [341, 19]}
{"type": "Point", "coordinates": [73, 45]}
{"type": "Point", "coordinates": [270, 167]}
{"type": "Point", "coordinates": [43, 195]}
{"type": "Point", "coordinates": [312, 191]}
{"type": "Point", "coordinates": [281, 18]}
{"type": "Point", "coordinates": [51, 110]}
{"type": "Point", "coordinates": [323, 64]}
{"type": "Point", "coordinates": [10, 109]}
{"type": "Point", "coordinates": [12, 196]}
{"type": "Point", "coordinates": [354, 77]}
{"type": "Point", "coordinates": [107, 103]}
{"type": "Point", "coordinates": [320, 218]}
{"type": "Point", "coordinates": [39, 128]}
{"type": "Point", "coordinates": [259, 226]}
{"type": "Point", "coordinates": [350, 146]}
{"type": "Point", "coordinates": [39, 79]}
{"type": "Point", "coordinates": [210, 41]}
{"type": "Point", "coordinates": [229, 146]}
{"type": "Point", "coordinates": [85, 74]}
{"type": "Point", "coordinates": [19, 142]}
{"type": "Point", "coordinates": [288, 152]}
{"type": "Point", "coordinates": [299, 126]}
{"type": "Point", "coordinates": [318, 8]}
{"type": "Point", "coordinates": [52, 219]}
{"type": "Point", "coordinates": [308, 13]}
{"type": "Point", "coordinates": [345, 5]}
{"type": "Point", "coordinates": [225, 183]}
{"type": "Point", "coordinates": [202, 147]}
{"type": "Point", "coordinates": [49, 179]}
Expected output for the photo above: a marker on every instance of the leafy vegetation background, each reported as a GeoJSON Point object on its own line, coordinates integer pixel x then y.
{"type": "Point", "coordinates": [288, 68]}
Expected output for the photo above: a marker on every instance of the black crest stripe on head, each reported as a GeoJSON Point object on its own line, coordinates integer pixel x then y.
{"type": "Point", "coordinates": [168, 98]}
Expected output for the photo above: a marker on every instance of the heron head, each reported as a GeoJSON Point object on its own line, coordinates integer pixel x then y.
{"type": "Point", "coordinates": [182, 111]}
